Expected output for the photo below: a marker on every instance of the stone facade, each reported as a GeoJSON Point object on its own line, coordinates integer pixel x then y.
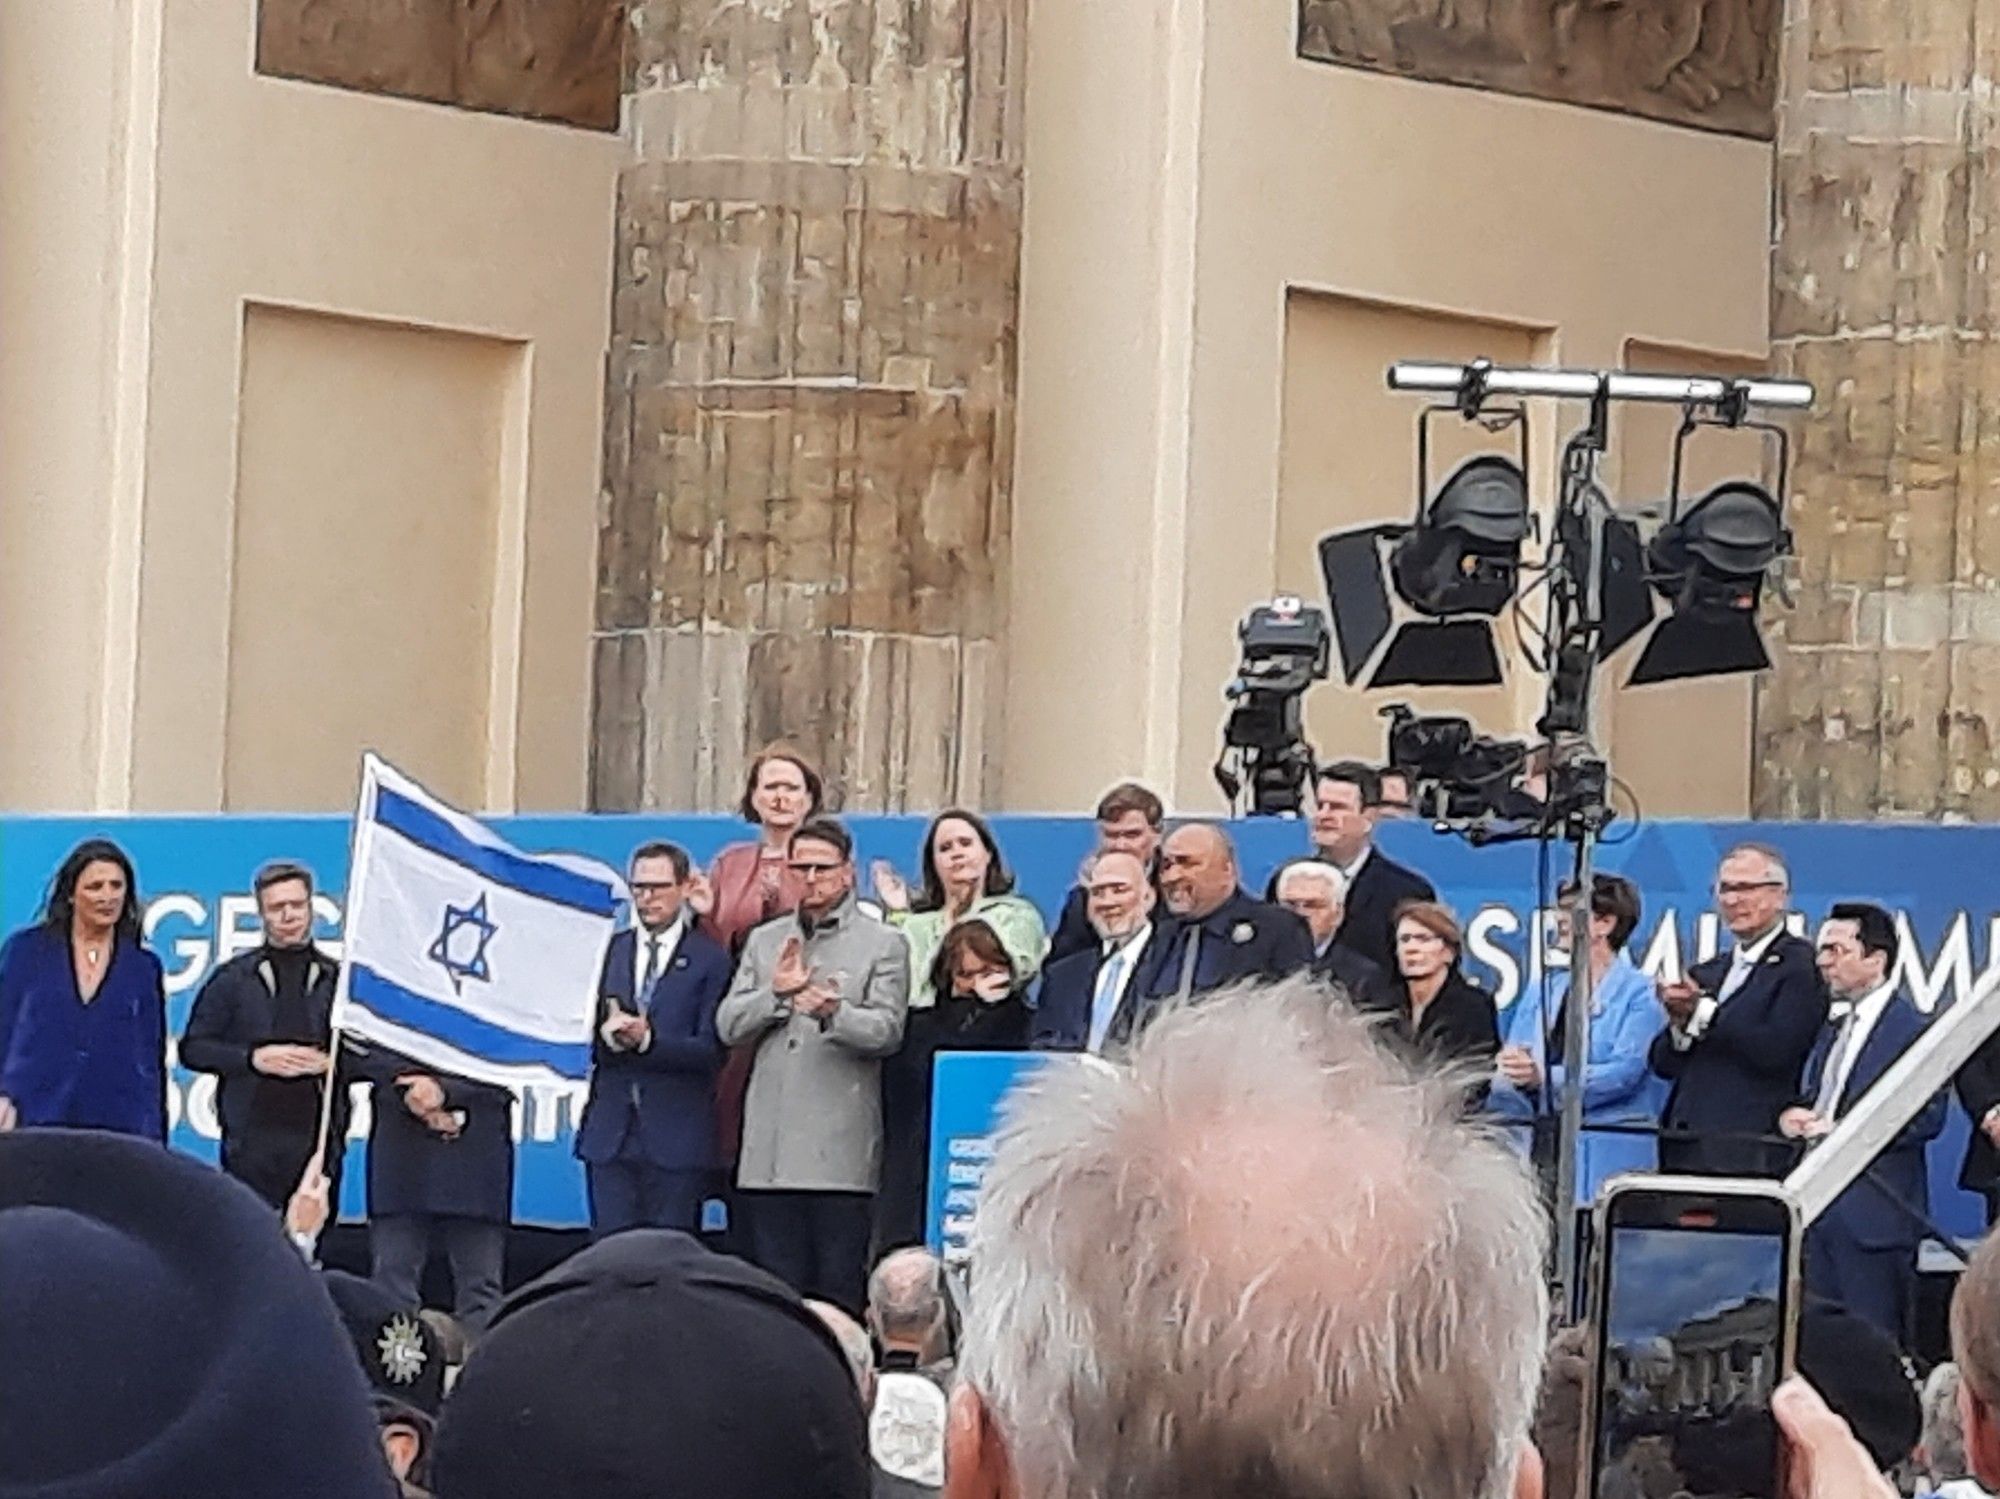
{"type": "Point", "coordinates": [810, 400]}
{"type": "Point", "coordinates": [1888, 671]}
{"type": "Point", "coordinates": [544, 59]}
{"type": "Point", "coordinates": [1706, 63]}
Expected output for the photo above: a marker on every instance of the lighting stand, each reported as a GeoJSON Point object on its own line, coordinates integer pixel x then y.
{"type": "Point", "coordinates": [1575, 630]}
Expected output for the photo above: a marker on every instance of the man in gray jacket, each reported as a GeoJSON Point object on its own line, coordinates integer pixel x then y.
{"type": "Point", "coordinates": [822, 993]}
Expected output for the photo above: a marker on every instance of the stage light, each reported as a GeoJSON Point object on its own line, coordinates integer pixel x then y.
{"type": "Point", "coordinates": [1459, 565]}
{"type": "Point", "coordinates": [1709, 566]}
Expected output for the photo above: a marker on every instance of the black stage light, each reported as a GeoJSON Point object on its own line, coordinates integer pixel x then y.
{"type": "Point", "coordinates": [1709, 566]}
{"type": "Point", "coordinates": [1458, 565]}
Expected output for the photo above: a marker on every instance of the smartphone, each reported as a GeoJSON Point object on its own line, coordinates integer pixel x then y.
{"type": "Point", "coordinates": [1694, 1298]}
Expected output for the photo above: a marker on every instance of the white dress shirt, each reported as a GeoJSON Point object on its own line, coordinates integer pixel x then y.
{"type": "Point", "coordinates": [1866, 1011]}
{"type": "Point", "coordinates": [1349, 871]}
{"type": "Point", "coordinates": [1104, 1006]}
{"type": "Point", "coordinates": [1741, 962]}
{"type": "Point", "coordinates": [647, 966]}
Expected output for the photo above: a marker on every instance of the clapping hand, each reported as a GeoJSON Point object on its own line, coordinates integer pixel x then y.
{"type": "Point", "coordinates": [289, 1061]}
{"type": "Point", "coordinates": [1680, 999]}
{"type": "Point", "coordinates": [1518, 1065]}
{"type": "Point", "coordinates": [626, 1031]}
{"type": "Point", "coordinates": [817, 999]}
{"type": "Point", "coordinates": [890, 887]}
{"type": "Point", "coordinates": [9, 1115]}
{"type": "Point", "coordinates": [700, 894]}
{"type": "Point", "coordinates": [790, 976]}
{"type": "Point", "coordinates": [422, 1095]}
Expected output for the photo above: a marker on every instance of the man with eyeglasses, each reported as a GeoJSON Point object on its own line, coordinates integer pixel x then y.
{"type": "Point", "coordinates": [647, 1138]}
{"type": "Point", "coordinates": [822, 992]}
{"type": "Point", "coordinates": [1739, 1029]}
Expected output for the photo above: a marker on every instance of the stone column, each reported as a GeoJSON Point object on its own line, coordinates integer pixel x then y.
{"type": "Point", "coordinates": [1888, 672]}
{"type": "Point", "coordinates": [810, 399]}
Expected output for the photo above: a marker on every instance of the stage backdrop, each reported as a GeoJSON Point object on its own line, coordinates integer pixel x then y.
{"type": "Point", "coordinates": [195, 872]}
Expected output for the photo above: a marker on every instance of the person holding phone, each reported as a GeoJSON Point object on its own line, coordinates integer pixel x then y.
{"type": "Point", "coordinates": [648, 1137]}
{"type": "Point", "coordinates": [1739, 1029]}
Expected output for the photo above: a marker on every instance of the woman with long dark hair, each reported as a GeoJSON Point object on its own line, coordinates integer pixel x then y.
{"type": "Point", "coordinates": [967, 897]}
{"type": "Point", "coordinates": [83, 1006]}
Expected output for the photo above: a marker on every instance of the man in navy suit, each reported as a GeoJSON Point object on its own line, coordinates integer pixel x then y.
{"type": "Point", "coordinates": [647, 1139]}
{"type": "Point", "coordinates": [1081, 993]}
{"type": "Point", "coordinates": [1128, 822]}
{"type": "Point", "coordinates": [1343, 833]}
{"type": "Point", "coordinates": [1862, 1253]}
{"type": "Point", "coordinates": [1220, 934]}
{"type": "Point", "coordinates": [1740, 1027]}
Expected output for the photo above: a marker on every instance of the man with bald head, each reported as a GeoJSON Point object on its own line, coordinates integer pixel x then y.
{"type": "Point", "coordinates": [1219, 934]}
{"type": "Point", "coordinates": [1082, 992]}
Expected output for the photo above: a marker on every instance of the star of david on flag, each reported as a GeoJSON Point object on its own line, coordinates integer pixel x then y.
{"type": "Point", "coordinates": [464, 953]}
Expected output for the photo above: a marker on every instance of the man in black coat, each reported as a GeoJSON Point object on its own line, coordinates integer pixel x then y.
{"type": "Point", "coordinates": [1343, 833]}
{"type": "Point", "coordinates": [1129, 818]}
{"type": "Point", "coordinates": [262, 1025]}
{"type": "Point", "coordinates": [1978, 1089]}
{"type": "Point", "coordinates": [440, 1175]}
{"type": "Point", "coordinates": [1219, 934]}
{"type": "Point", "coordinates": [1317, 894]}
{"type": "Point", "coordinates": [1740, 1028]}
{"type": "Point", "coordinates": [647, 1139]}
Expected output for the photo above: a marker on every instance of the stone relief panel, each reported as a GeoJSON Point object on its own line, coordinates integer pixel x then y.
{"type": "Point", "coordinates": [1711, 64]}
{"type": "Point", "coordinates": [557, 60]}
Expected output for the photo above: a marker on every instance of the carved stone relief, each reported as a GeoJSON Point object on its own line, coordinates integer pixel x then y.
{"type": "Point", "coordinates": [1711, 64]}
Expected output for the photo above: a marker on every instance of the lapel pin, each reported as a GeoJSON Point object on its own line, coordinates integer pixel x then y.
{"type": "Point", "coordinates": [1241, 933]}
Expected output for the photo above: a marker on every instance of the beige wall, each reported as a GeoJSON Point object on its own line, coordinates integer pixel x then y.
{"type": "Point", "coordinates": [185, 192]}
{"type": "Point", "coordinates": [1179, 203]}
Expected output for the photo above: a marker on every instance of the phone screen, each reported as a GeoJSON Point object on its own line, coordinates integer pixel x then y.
{"type": "Point", "coordinates": [1692, 1344]}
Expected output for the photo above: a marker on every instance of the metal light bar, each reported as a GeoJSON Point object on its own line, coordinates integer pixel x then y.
{"type": "Point", "coordinates": [1897, 1097]}
{"type": "Point", "coordinates": [1582, 385]}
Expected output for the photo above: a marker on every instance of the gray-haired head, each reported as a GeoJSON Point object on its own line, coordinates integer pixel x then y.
{"type": "Point", "coordinates": [1942, 1445]}
{"type": "Point", "coordinates": [1260, 1255]}
{"type": "Point", "coordinates": [853, 1340]}
{"type": "Point", "coordinates": [906, 1303]}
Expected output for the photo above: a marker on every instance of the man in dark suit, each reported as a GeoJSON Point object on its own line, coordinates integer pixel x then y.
{"type": "Point", "coordinates": [1081, 993]}
{"type": "Point", "coordinates": [1317, 894]}
{"type": "Point", "coordinates": [1219, 934]}
{"type": "Point", "coordinates": [647, 1139]}
{"type": "Point", "coordinates": [1862, 1252]}
{"type": "Point", "coordinates": [1128, 822]}
{"type": "Point", "coordinates": [1740, 1027]}
{"type": "Point", "coordinates": [1978, 1089]}
{"type": "Point", "coordinates": [263, 1025]}
{"type": "Point", "coordinates": [1343, 834]}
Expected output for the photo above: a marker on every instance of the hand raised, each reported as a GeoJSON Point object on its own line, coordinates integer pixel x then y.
{"type": "Point", "coordinates": [890, 887]}
{"type": "Point", "coordinates": [700, 894]}
{"type": "Point", "coordinates": [790, 975]}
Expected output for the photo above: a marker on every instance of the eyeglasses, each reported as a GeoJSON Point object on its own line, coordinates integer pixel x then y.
{"type": "Point", "coordinates": [812, 871]}
{"type": "Point", "coordinates": [1745, 887]}
{"type": "Point", "coordinates": [653, 887]}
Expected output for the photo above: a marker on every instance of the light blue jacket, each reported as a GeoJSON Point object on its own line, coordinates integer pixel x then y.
{"type": "Point", "coordinates": [1618, 1086]}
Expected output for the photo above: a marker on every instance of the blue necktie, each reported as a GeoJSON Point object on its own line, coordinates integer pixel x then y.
{"type": "Point", "coordinates": [1104, 1003]}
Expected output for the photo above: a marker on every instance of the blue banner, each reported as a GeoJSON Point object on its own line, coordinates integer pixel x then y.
{"type": "Point", "coordinates": [195, 873]}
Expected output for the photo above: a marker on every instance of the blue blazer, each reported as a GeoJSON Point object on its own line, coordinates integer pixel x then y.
{"type": "Point", "coordinates": [1618, 1086]}
{"type": "Point", "coordinates": [657, 1106]}
{"type": "Point", "coordinates": [1863, 1212]}
{"type": "Point", "coordinates": [1744, 1072]}
{"type": "Point", "coordinates": [101, 1065]}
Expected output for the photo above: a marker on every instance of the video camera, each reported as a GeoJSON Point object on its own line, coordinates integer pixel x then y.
{"type": "Point", "coordinates": [1497, 790]}
{"type": "Point", "coordinates": [1285, 647]}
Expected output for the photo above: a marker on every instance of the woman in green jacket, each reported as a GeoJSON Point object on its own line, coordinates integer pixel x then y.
{"type": "Point", "coordinates": [965, 879]}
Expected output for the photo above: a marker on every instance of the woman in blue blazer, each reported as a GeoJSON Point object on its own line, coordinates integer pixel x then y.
{"type": "Point", "coordinates": [1618, 1086]}
{"type": "Point", "coordinates": [83, 1007]}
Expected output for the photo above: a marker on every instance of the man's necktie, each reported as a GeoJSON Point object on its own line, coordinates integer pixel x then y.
{"type": "Point", "coordinates": [1190, 956]}
{"type": "Point", "coordinates": [1739, 970]}
{"type": "Point", "coordinates": [652, 968]}
{"type": "Point", "coordinates": [1104, 1002]}
{"type": "Point", "coordinates": [1829, 1072]}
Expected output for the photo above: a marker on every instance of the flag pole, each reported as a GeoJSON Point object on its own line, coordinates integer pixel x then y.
{"type": "Point", "coordinates": [358, 844]}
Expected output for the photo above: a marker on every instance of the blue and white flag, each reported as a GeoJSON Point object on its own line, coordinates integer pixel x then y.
{"type": "Point", "coordinates": [462, 952]}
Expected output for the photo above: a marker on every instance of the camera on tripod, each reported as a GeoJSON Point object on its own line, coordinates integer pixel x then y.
{"type": "Point", "coordinates": [1286, 646]}
{"type": "Point", "coordinates": [1494, 790]}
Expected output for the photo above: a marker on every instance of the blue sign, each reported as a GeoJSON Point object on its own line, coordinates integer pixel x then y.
{"type": "Point", "coordinates": [968, 1090]}
{"type": "Point", "coordinates": [196, 871]}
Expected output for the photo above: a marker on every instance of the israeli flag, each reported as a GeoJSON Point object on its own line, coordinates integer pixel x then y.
{"type": "Point", "coordinates": [462, 952]}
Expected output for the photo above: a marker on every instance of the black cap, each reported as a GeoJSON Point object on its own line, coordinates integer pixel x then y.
{"type": "Point", "coordinates": [400, 1354]}
{"type": "Point", "coordinates": [1860, 1372]}
{"type": "Point", "coordinates": [162, 1337]}
{"type": "Point", "coordinates": [645, 1366]}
